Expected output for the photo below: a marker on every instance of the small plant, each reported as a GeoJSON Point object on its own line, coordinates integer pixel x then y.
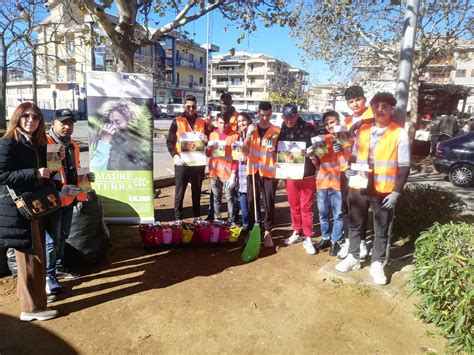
{"type": "Point", "coordinates": [444, 275]}
{"type": "Point", "coordinates": [420, 206]}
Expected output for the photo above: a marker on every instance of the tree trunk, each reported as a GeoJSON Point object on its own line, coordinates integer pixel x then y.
{"type": "Point", "coordinates": [3, 93]}
{"type": "Point", "coordinates": [125, 57]}
{"type": "Point", "coordinates": [414, 92]}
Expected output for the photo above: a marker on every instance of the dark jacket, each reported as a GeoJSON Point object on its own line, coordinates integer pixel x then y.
{"type": "Point", "coordinates": [18, 164]}
{"type": "Point", "coordinates": [302, 132]}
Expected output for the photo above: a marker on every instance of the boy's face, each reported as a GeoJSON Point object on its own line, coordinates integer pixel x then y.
{"type": "Point", "coordinates": [357, 105]}
{"type": "Point", "coordinates": [190, 108]}
{"type": "Point", "coordinates": [382, 113]}
{"type": "Point", "coordinates": [265, 116]}
{"type": "Point", "coordinates": [330, 122]}
{"type": "Point", "coordinates": [222, 125]}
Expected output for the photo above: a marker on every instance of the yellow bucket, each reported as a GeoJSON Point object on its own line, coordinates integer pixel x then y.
{"type": "Point", "coordinates": [234, 234]}
{"type": "Point", "coordinates": [187, 235]}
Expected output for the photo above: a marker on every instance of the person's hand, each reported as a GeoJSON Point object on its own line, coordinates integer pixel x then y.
{"type": "Point", "coordinates": [91, 176]}
{"type": "Point", "coordinates": [43, 173]}
{"type": "Point", "coordinates": [107, 132]}
{"type": "Point", "coordinates": [349, 173]}
{"type": "Point", "coordinates": [203, 137]}
{"type": "Point", "coordinates": [310, 151]}
{"type": "Point", "coordinates": [336, 147]}
{"type": "Point", "coordinates": [70, 190]}
{"type": "Point", "coordinates": [252, 128]}
{"type": "Point", "coordinates": [178, 161]}
{"type": "Point", "coordinates": [390, 200]}
{"type": "Point", "coordinates": [62, 153]}
{"type": "Point", "coordinates": [229, 185]}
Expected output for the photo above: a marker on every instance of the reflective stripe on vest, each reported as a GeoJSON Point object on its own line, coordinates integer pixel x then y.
{"type": "Point", "coordinates": [67, 200]}
{"type": "Point", "coordinates": [183, 127]}
{"type": "Point", "coordinates": [222, 166]}
{"type": "Point", "coordinates": [260, 159]}
{"type": "Point", "coordinates": [385, 156]}
{"type": "Point", "coordinates": [329, 169]}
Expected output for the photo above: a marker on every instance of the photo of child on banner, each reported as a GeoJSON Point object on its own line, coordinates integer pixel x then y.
{"type": "Point", "coordinates": [290, 160]}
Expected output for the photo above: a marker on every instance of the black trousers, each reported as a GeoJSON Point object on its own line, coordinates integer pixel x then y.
{"type": "Point", "coordinates": [183, 176]}
{"type": "Point", "coordinates": [345, 208]}
{"type": "Point", "coordinates": [358, 212]}
{"type": "Point", "coordinates": [266, 187]}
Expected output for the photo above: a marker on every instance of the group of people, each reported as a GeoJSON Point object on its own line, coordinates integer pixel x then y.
{"type": "Point", "coordinates": [368, 171]}
{"type": "Point", "coordinates": [39, 243]}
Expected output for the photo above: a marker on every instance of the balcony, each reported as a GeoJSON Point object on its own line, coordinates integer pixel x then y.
{"type": "Point", "coordinates": [228, 72]}
{"type": "Point", "coordinates": [66, 54]}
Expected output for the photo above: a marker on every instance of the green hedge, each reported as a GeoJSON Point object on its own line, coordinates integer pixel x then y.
{"type": "Point", "coordinates": [420, 206]}
{"type": "Point", "coordinates": [444, 275]}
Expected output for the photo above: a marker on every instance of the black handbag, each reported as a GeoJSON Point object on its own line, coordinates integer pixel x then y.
{"type": "Point", "coordinates": [35, 204]}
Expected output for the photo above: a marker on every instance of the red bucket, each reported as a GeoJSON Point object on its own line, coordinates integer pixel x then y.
{"type": "Point", "coordinates": [204, 234]}
{"type": "Point", "coordinates": [177, 237]}
{"type": "Point", "coordinates": [224, 235]}
{"type": "Point", "coordinates": [157, 235]}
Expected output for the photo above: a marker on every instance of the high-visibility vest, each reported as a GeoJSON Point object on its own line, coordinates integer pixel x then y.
{"type": "Point", "coordinates": [329, 169]}
{"type": "Point", "coordinates": [260, 158]}
{"type": "Point", "coordinates": [183, 127]}
{"type": "Point", "coordinates": [348, 122]}
{"type": "Point", "coordinates": [222, 166]}
{"type": "Point", "coordinates": [61, 175]}
{"type": "Point", "coordinates": [385, 156]}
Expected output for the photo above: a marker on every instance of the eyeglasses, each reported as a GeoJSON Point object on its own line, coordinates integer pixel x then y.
{"type": "Point", "coordinates": [32, 115]}
{"type": "Point", "coordinates": [190, 107]}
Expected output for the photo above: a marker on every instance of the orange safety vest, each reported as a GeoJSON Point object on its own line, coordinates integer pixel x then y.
{"type": "Point", "coordinates": [183, 127]}
{"type": "Point", "coordinates": [61, 174]}
{"type": "Point", "coordinates": [222, 166]}
{"type": "Point", "coordinates": [259, 157]}
{"type": "Point", "coordinates": [385, 168]}
{"type": "Point", "coordinates": [348, 122]}
{"type": "Point", "coordinates": [329, 174]}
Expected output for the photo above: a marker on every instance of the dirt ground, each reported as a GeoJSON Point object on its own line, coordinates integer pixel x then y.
{"type": "Point", "coordinates": [204, 300]}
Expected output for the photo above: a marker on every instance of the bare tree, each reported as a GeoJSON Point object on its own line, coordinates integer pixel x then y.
{"type": "Point", "coordinates": [127, 34]}
{"type": "Point", "coordinates": [344, 32]}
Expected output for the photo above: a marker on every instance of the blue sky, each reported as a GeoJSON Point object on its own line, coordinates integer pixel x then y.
{"type": "Point", "coordinates": [275, 41]}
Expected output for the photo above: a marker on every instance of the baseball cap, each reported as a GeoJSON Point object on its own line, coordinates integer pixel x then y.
{"type": "Point", "coordinates": [290, 109]}
{"type": "Point", "coordinates": [65, 114]}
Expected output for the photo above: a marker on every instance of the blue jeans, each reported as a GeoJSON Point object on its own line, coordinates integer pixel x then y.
{"type": "Point", "coordinates": [330, 199]}
{"type": "Point", "coordinates": [218, 186]}
{"type": "Point", "coordinates": [244, 208]}
{"type": "Point", "coordinates": [56, 234]}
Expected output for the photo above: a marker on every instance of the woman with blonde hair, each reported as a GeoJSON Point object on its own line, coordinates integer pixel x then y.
{"type": "Point", "coordinates": [22, 168]}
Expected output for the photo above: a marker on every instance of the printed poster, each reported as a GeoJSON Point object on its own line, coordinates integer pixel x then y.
{"type": "Point", "coordinates": [237, 150]}
{"type": "Point", "coordinates": [192, 149]}
{"type": "Point", "coordinates": [119, 109]}
{"type": "Point", "coordinates": [219, 150]}
{"type": "Point", "coordinates": [53, 160]}
{"type": "Point", "coordinates": [290, 160]}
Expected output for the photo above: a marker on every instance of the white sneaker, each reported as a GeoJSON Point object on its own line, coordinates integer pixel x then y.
{"type": "Point", "coordinates": [377, 272]}
{"type": "Point", "coordinates": [294, 238]}
{"type": "Point", "coordinates": [348, 264]}
{"type": "Point", "coordinates": [344, 251]}
{"type": "Point", "coordinates": [308, 246]}
{"type": "Point", "coordinates": [267, 240]}
{"type": "Point", "coordinates": [38, 315]}
{"type": "Point", "coordinates": [363, 250]}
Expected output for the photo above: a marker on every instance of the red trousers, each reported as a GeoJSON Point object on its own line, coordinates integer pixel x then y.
{"type": "Point", "coordinates": [301, 199]}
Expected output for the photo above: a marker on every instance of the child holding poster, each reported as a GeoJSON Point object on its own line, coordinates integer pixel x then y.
{"type": "Point", "coordinates": [222, 167]}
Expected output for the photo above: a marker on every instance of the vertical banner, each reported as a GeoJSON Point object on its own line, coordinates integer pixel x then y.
{"type": "Point", "coordinates": [119, 110]}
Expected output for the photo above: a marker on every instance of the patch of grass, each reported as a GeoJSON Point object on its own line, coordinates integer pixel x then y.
{"type": "Point", "coordinates": [362, 289]}
{"type": "Point", "coordinates": [336, 282]}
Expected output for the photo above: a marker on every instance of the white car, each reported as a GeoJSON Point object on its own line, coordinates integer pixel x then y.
{"type": "Point", "coordinates": [174, 110]}
{"type": "Point", "coordinates": [277, 119]}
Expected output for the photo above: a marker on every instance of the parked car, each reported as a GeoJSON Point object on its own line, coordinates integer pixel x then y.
{"type": "Point", "coordinates": [174, 110]}
{"type": "Point", "coordinates": [277, 119]}
{"type": "Point", "coordinates": [315, 119]}
{"type": "Point", "coordinates": [455, 157]}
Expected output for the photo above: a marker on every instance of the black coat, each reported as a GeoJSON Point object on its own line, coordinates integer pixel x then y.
{"type": "Point", "coordinates": [18, 164]}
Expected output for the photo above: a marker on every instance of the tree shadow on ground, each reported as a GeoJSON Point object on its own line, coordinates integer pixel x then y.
{"type": "Point", "coordinates": [12, 343]}
{"type": "Point", "coordinates": [130, 269]}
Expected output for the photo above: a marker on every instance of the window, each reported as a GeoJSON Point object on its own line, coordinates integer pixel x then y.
{"type": "Point", "coordinates": [190, 81]}
{"type": "Point", "coordinates": [461, 73]}
{"type": "Point", "coordinates": [201, 80]}
{"type": "Point", "coordinates": [177, 78]}
{"type": "Point", "coordinates": [71, 72]}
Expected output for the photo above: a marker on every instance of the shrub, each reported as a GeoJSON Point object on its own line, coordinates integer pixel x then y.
{"type": "Point", "coordinates": [420, 206]}
{"type": "Point", "coordinates": [443, 275]}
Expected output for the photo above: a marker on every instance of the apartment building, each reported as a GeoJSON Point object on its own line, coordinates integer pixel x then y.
{"type": "Point", "coordinates": [65, 54]}
{"type": "Point", "coordinates": [249, 78]}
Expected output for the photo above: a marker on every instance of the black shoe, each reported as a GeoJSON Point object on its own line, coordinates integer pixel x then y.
{"type": "Point", "coordinates": [335, 246]}
{"type": "Point", "coordinates": [323, 244]}
{"type": "Point", "coordinates": [210, 218]}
